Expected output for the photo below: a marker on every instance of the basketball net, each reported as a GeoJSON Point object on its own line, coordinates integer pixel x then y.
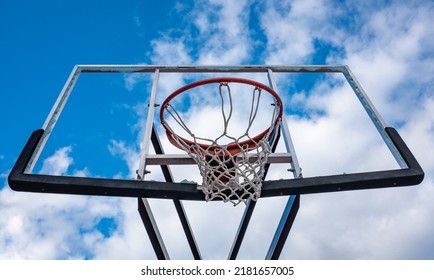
{"type": "Point", "coordinates": [233, 171]}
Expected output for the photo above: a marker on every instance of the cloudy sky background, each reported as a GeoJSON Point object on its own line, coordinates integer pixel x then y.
{"type": "Point", "coordinates": [387, 44]}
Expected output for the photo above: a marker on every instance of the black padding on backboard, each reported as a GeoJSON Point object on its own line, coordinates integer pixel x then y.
{"type": "Point", "coordinates": [413, 175]}
{"type": "Point", "coordinates": [19, 181]}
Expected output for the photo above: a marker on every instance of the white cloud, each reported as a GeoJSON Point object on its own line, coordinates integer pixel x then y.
{"type": "Point", "coordinates": [58, 163]}
{"type": "Point", "coordinates": [223, 36]}
{"type": "Point", "coordinates": [127, 153]}
{"type": "Point", "coordinates": [43, 226]}
{"type": "Point", "coordinates": [291, 28]}
{"type": "Point", "coordinates": [223, 32]}
{"type": "Point", "coordinates": [132, 79]}
{"type": "Point", "coordinates": [129, 240]}
{"type": "Point", "coordinates": [170, 51]}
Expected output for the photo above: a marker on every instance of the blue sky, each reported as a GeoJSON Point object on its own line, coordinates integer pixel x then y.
{"type": "Point", "coordinates": [388, 45]}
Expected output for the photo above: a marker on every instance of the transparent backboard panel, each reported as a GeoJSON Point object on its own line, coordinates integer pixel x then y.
{"type": "Point", "coordinates": [100, 130]}
{"type": "Point", "coordinates": [331, 131]}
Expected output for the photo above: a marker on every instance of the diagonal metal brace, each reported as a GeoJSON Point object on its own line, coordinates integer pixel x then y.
{"type": "Point", "coordinates": [283, 228]}
{"type": "Point", "coordinates": [152, 229]}
{"type": "Point", "coordinates": [178, 204]}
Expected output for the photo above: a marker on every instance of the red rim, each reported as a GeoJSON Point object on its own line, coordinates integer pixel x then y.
{"type": "Point", "coordinates": [233, 148]}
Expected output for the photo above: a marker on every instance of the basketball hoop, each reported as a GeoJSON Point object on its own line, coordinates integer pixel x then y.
{"type": "Point", "coordinates": [231, 171]}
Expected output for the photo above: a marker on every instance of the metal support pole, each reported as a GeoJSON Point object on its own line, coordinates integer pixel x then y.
{"type": "Point", "coordinates": [242, 228]}
{"type": "Point", "coordinates": [152, 229]}
{"type": "Point", "coordinates": [284, 227]}
{"type": "Point", "coordinates": [178, 204]}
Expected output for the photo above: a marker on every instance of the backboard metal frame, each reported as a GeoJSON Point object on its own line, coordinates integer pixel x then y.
{"type": "Point", "coordinates": [22, 179]}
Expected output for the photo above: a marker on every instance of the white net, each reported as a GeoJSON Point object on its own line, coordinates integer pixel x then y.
{"type": "Point", "coordinates": [232, 171]}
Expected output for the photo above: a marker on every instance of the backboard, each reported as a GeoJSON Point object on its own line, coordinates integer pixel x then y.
{"type": "Point", "coordinates": [157, 81]}
{"type": "Point", "coordinates": [120, 105]}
